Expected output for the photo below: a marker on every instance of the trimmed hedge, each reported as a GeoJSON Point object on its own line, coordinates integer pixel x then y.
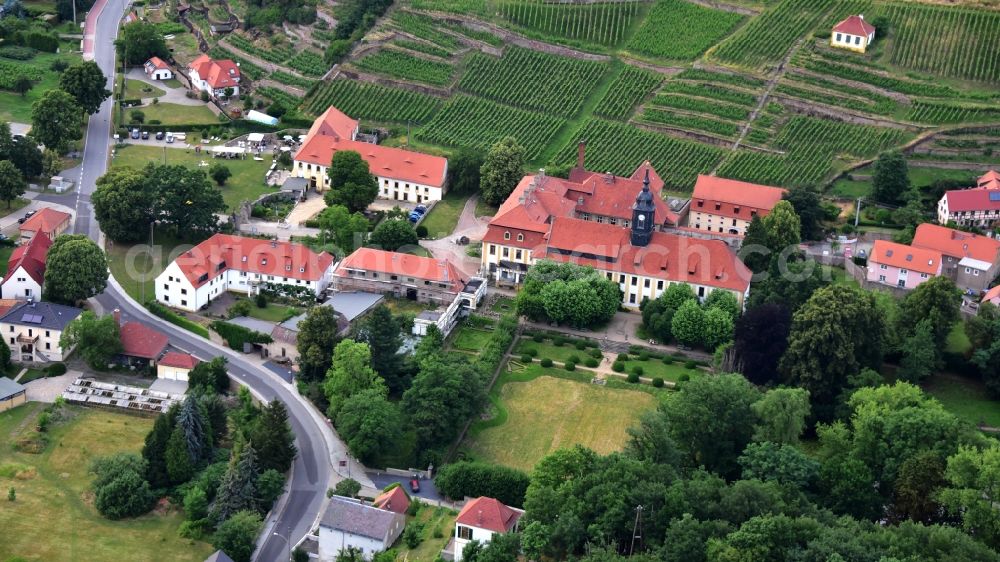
{"type": "Point", "coordinates": [494, 350]}
{"type": "Point", "coordinates": [236, 336]}
{"type": "Point", "coordinates": [526, 358]}
{"type": "Point", "coordinates": [475, 479]}
{"type": "Point", "coordinates": [176, 319]}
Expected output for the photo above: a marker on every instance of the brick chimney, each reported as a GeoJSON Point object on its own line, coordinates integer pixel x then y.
{"type": "Point", "coordinates": [581, 151]}
{"type": "Point", "coordinates": [118, 316]}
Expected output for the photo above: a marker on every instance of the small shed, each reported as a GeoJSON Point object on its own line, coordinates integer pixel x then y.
{"type": "Point", "coordinates": [12, 394]}
{"type": "Point", "coordinates": [853, 33]}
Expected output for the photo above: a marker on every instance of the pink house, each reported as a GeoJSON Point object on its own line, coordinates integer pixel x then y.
{"type": "Point", "coordinates": [899, 265]}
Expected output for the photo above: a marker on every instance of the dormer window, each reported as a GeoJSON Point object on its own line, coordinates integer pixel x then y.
{"type": "Point", "coordinates": [263, 261]}
{"type": "Point", "coordinates": [506, 235]}
{"type": "Point", "coordinates": [520, 237]}
{"type": "Point", "coordinates": [288, 268]}
{"type": "Point", "coordinates": [736, 210]}
{"type": "Point", "coordinates": [244, 259]}
{"type": "Point", "coordinates": [718, 206]}
{"type": "Point", "coordinates": [302, 270]}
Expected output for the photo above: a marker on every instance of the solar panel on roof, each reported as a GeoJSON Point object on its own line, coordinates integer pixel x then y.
{"type": "Point", "coordinates": [31, 318]}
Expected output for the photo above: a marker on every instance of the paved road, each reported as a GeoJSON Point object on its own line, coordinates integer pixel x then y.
{"type": "Point", "coordinates": [312, 470]}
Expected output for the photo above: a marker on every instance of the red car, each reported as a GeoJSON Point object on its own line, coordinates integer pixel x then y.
{"type": "Point", "coordinates": [414, 485]}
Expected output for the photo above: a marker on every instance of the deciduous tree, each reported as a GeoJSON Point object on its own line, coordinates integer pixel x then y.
{"type": "Point", "coordinates": [120, 489]}
{"type": "Point", "coordinates": [369, 424]}
{"type": "Point", "coordinates": [124, 204]}
{"type": "Point", "coordinates": [76, 269]}
{"type": "Point", "coordinates": [781, 415]}
{"type": "Point", "coordinates": [393, 234]}
{"type": "Point", "coordinates": [220, 173]}
{"type": "Point", "coordinates": [688, 324]}
{"type": "Point", "coordinates": [12, 184]}
{"type": "Point", "coordinates": [936, 300]}
{"type": "Point", "coordinates": [139, 41]}
{"type": "Point", "coordinates": [382, 333]}
{"type": "Point", "coordinates": [782, 463]}
{"type": "Point", "coordinates": [211, 376]}
{"type": "Point", "coordinates": [891, 178]}
{"type": "Point", "coordinates": [345, 229]}
{"type": "Point", "coordinates": [809, 208]}
{"type": "Point", "coordinates": [760, 339]}
{"type": "Point", "coordinates": [919, 356]}
{"type": "Point", "coordinates": [463, 171]}
{"type": "Point", "coordinates": [86, 83]}
{"type": "Point", "coordinates": [56, 120]}
{"type": "Point", "coordinates": [973, 476]}
{"type": "Point", "coordinates": [187, 200]}
{"type": "Point", "coordinates": [350, 373]}
{"type": "Point", "coordinates": [501, 171]}
{"type": "Point", "coordinates": [237, 535]}
{"type": "Point", "coordinates": [718, 328]}
{"type": "Point", "coordinates": [351, 183]}
{"type": "Point", "coordinates": [96, 339]}
{"type": "Point", "coordinates": [445, 393]}
{"type": "Point", "coordinates": [316, 340]}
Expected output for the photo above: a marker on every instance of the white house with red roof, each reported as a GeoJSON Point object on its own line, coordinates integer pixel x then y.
{"type": "Point", "coordinates": [46, 220]}
{"type": "Point", "coordinates": [26, 269]}
{"type": "Point", "coordinates": [214, 76]}
{"type": "Point", "coordinates": [972, 261]}
{"type": "Point", "coordinates": [235, 263]}
{"type": "Point", "coordinates": [175, 366]}
{"type": "Point", "coordinates": [725, 206]}
{"type": "Point", "coordinates": [480, 520]}
{"type": "Point", "coordinates": [978, 206]}
{"type": "Point", "coordinates": [615, 225]}
{"type": "Point", "coordinates": [403, 175]}
{"type": "Point", "coordinates": [899, 265]}
{"type": "Point", "coordinates": [853, 33]}
{"type": "Point", "coordinates": [157, 69]}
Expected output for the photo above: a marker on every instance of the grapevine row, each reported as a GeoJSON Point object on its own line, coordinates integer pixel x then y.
{"type": "Point", "coordinates": [679, 30]}
{"type": "Point", "coordinates": [628, 89]}
{"type": "Point", "coordinates": [767, 37]}
{"type": "Point", "coordinates": [363, 100]}
{"type": "Point", "coordinates": [408, 67]}
{"type": "Point", "coordinates": [711, 91]}
{"type": "Point", "coordinates": [605, 24]}
{"type": "Point", "coordinates": [697, 105]}
{"type": "Point", "coordinates": [691, 122]}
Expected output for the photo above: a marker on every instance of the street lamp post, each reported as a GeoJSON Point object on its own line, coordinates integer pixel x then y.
{"type": "Point", "coordinates": [288, 545]}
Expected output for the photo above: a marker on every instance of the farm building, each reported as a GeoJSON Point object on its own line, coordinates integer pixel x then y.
{"type": "Point", "coordinates": [403, 175]}
{"type": "Point", "coordinates": [12, 394]}
{"type": "Point", "coordinates": [47, 220]}
{"type": "Point", "coordinates": [854, 33]}
{"type": "Point", "coordinates": [26, 269]}
{"type": "Point", "coordinates": [727, 206]}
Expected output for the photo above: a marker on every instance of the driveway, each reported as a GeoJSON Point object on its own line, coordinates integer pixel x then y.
{"type": "Point", "coordinates": [172, 95]}
{"type": "Point", "coordinates": [47, 390]}
{"type": "Point", "coordinates": [427, 489]}
{"type": "Point", "coordinates": [469, 225]}
{"type": "Point", "coordinates": [307, 209]}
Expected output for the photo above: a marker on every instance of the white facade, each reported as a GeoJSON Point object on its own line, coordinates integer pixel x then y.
{"type": "Point", "coordinates": [19, 285]}
{"type": "Point", "coordinates": [198, 83]}
{"type": "Point", "coordinates": [175, 290]}
{"type": "Point", "coordinates": [388, 187]}
{"type": "Point", "coordinates": [33, 344]}
{"type": "Point", "coordinates": [332, 541]}
{"type": "Point", "coordinates": [464, 534]}
{"type": "Point", "coordinates": [161, 74]}
{"type": "Point", "coordinates": [852, 42]}
{"type": "Point", "coordinates": [172, 373]}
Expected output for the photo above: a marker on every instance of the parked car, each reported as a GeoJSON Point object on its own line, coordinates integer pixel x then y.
{"type": "Point", "coordinates": [170, 138]}
{"type": "Point", "coordinates": [145, 135]}
{"type": "Point", "coordinates": [159, 135]}
{"type": "Point", "coordinates": [420, 209]}
{"type": "Point", "coordinates": [26, 216]}
{"type": "Point", "coordinates": [135, 133]}
{"type": "Point", "coordinates": [415, 485]}
{"type": "Point", "coordinates": [414, 217]}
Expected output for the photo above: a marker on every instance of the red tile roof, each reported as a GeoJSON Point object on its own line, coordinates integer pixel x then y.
{"type": "Point", "coordinates": [139, 340]}
{"type": "Point", "coordinates": [383, 161]}
{"type": "Point", "coordinates": [906, 257]}
{"type": "Point", "coordinates": [6, 305]}
{"type": "Point", "coordinates": [956, 243]}
{"type": "Point", "coordinates": [993, 295]}
{"type": "Point", "coordinates": [672, 257]}
{"type": "Point", "coordinates": [490, 514]}
{"type": "Point", "coordinates": [31, 256]}
{"type": "Point", "coordinates": [47, 220]}
{"type": "Point", "coordinates": [219, 74]}
{"type": "Point", "coordinates": [735, 199]}
{"type": "Point", "coordinates": [396, 263]}
{"type": "Point", "coordinates": [990, 180]}
{"type": "Point", "coordinates": [179, 360]}
{"type": "Point", "coordinates": [975, 199]}
{"type": "Point", "coordinates": [855, 25]}
{"type": "Point", "coordinates": [253, 255]}
{"type": "Point", "coordinates": [394, 500]}
{"type": "Point", "coordinates": [157, 62]}
{"type": "Point", "coordinates": [334, 123]}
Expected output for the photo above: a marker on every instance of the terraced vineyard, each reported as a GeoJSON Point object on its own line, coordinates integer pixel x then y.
{"type": "Point", "coordinates": [679, 30]}
{"type": "Point", "coordinates": [628, 89]}
{"type": "Point", "coordinates": [408, 67]}
{"type": "Point", "coordinates": [711, 91]}
{"type": "Point", "coordinates": [286, 99]}
{"type": "Point", "coordinates": [689, 122]}
{"type": "Point", "coordinates": [363, 100]}
{"type": "Point", "coordinates": [700, 105]}
{"type": "Point", "coordinates": [273, 53]}
{"type": "Point", "coordinates": [424, 27]}
{"type": "Point", "coordinates": [309, 63]}
{"type": "Point", "coordinates": [533, 80]}
{"type": "Point", "coordinates": [602, 23]}
{"type": "Point", "coordinates": [938, 113]}
{"type": "Point", "coordinates": [479, 123]}
{"type": "Point", "coordinates": [811, 145]}
{"type": "Point", "coordinates": [970, 48]}
{"type": "Point", "coordinates": [290, 79]}
{"type": "Point", "coordinates": [620, 149]}
{"type": "Point", "coordinates": [767, 37]}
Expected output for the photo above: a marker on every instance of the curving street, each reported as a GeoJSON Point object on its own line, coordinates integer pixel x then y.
{"type": "Point", "coordinates": [319, 447]}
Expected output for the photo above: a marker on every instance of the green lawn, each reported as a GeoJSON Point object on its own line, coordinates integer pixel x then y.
{"type": "Point", "coordinates": [966, 398]}
{"type": "Point", "coordinates": [134, 265]}
{"type": "Point", "coordinates": [468, 338]}
{"type": "Point", "coordinates": [274, 312]}
{"type": "Point", "coordinates": [14, 107]}
{"type": "Point", "coordinates": [137, 89]}
{"type": "Point", "coordinates": [32, 374]}
{"type": "Point", "coordinates": [540, 410]}
{"type": "Point", "coordinates": [547, 349]}
{"type": "Point", "coordinates": [441, 220]}
{"type": "Point", "coordinates": [246, 183]}
{"type": "Point", "coordinates": [5, 252]}
{"type": "Point", "coordinates": [958, 340]}
{"type": "Point", "coordinates": [654, 368]}
{"type": "Point", "coordinates": [919, 177]}
{"type": "Point", "coordinates": [436, 520]}
{"type": "Point", "coordinates": [399, 306]}
{"type": "Point", "coordinates": [175, 114]}
{"type": "Point", "coordinates": [839, 277]}
{"type": "Point", "coordinates": [483, 209]}
{"type": "Point", "coordinates": [54, 518]}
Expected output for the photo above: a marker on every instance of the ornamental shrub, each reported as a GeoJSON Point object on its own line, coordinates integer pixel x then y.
{"type": "Point", "coordinates": [596, 353]}
{"type": "Point", "coordinates": [618, 367]}
{"type": "Point", "coordinates": [546, 362]}
{"type": "Point", "coordinates": [623, 357]}
{"type": "Point", "coordinates": [570, 366]}
{"type": "Point", "coordinates": [690, 364]}
{"type": "Point", "coordinates": [526, 358]}
{"type": "Point", "coordinates": [633, 378]}
{"type": "Point", "coordinates": [637, 370]}
{"type": "Point", "coordinates": [658, 382]}
{"type": "Point", "coordinates": [573, 359]}
{"type": "Point", "coordinates": [591, 362]}
{"type": "Point", "coordinates": [581, 345]}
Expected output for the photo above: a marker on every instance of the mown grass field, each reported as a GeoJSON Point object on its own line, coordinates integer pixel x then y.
{"type": "Point", "coordinates": [17, 108]}
{"type": "Point", "coordinates": [54, 518]}
{"type": "Point", "coordinates": [443, 217]}
{"type": "Point", "coordinates": [540, 410]}
{"type": "Point", "coordinates": [137, 265]}
{"type": "Point", "coordinates": [246, 183]}
{"type": "Point", "coordinates": [966, 398]}
{"type": "Point", "coordinates": [175, 114]}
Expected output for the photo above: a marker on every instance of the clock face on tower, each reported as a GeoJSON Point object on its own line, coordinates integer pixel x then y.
{"type": "Point", "coordinates": [642, 218]}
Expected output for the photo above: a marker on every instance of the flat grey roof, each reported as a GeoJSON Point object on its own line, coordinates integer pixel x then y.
{"type": "Point", "coordinates": [294, 184]}
{"type": "Point", "coordinates": [169, 386]}
{"type": "Point", "coordinates": [9, 388]}
{"type": "Point", "coordinates": [254, 324]}
{"type": "Point", "coordinates": [353, 303]}
{"type": "Point", "coordinates": [349, 516]}
{"type": "Point", "coordinates": [293, 322]}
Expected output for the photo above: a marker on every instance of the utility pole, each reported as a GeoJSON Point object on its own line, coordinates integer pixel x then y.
{"type": "Point", "coordinates": [857, 213]}
{"type": "Point", "coordinates": [636, 530]}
